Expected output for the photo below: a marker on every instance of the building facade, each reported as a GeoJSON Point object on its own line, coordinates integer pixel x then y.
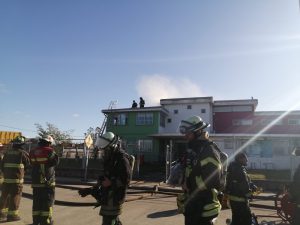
{"type": "Point", "coordinates": [268, 137]}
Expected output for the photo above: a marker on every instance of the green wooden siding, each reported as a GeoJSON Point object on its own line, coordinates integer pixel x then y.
{"type": "Point", "coordinates": [131, 133]}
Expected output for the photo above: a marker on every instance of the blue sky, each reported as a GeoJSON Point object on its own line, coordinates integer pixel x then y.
{"type": "Point", "coordinates": [62, 62]}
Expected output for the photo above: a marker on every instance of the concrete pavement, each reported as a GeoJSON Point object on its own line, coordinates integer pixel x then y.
{"type": "Point", "coordinates": [140, 209]}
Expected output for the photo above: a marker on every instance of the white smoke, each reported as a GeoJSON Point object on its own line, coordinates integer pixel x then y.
{"type": "Point", "coordinates": [159, 86]}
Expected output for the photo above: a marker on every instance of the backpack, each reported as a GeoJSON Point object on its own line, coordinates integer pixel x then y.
{"type": "Point", "coordinates": [223, 158]}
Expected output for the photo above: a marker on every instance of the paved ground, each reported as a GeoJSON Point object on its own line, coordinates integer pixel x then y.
{"type": "Point", "coordinates": [140, 209]}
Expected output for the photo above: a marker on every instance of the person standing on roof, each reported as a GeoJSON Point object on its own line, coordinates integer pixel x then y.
{"type": "Point", "coordinates": [202, 173]}
{"type": "Point", "coordinates": [134, 104]}
{"type": "Point", "coordinates": [13, 165]}
{"type": "Point", "coordinates": [142, 102]}
{"type": "Point", "coordinates": [43, 160]}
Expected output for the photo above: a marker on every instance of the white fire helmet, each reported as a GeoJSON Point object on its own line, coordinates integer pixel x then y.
{"type": "Point", "coordinates": [106, 140]}
{"type": "Point", "coordinates": [192, 124]}
{"type": "Point", "coordinates": [48, 138]}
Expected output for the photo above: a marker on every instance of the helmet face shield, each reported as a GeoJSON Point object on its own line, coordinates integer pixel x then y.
{"type": "Point", "coordinates": [106, 140]}
{"type": "Point", "coordinates": [192, 124]}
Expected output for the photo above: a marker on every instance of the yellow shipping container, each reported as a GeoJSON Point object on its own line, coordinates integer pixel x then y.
{"type": "Point", "coordinates": [7, 136]}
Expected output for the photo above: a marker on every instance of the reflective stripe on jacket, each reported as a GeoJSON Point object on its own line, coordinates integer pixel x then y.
{"type": "Point", "coordinates": [13, 166]}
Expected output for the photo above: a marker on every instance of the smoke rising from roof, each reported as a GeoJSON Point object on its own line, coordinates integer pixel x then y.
{"type": "Point", "coordinates": [159, 86]}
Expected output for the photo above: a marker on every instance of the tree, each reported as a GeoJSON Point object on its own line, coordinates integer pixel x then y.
{"type": "Point", "coordinates": [59, 136]}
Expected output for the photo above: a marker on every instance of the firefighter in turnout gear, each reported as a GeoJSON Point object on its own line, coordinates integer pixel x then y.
{"type": "Point", "coordinates": [239, 189]}
{"type": "Point", "coordinates": [43, 160]}
{"type": "Point", "coordinates": [13, 165]}
{"type": "Point", "coordinates": [202, 174]}
{"type": "Point", "coordinates": [115, 180]}
{"type": "Point", "coordinates": [294, 191]}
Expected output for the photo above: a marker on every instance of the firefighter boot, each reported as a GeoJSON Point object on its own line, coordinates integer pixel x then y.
{"type": "Point", "coordinates": [3, 217]}
{"type": "Point", "coordinates": [13, 218]}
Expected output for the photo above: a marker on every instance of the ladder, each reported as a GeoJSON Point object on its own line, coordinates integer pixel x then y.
{"type": "Point", "coordinates": [111, 105]}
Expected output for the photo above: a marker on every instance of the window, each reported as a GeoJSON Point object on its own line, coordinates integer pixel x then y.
{"type": "Point", "coordinates": [203, 110]}
{"type": "Point", "coordinates": [146, 145]}
{"type": "Point", "coordinates": [175, 111]}
{"type": "Point", "coordinates": [293, 122]}
{"type": "Point", "coordinates": [120, 119]}
{"type": "Point", "coordinates": [169, 120]}
{"type": "Point", "coordinates": [241, 122]}
{"type": "Point", "coordinates": [189, 107]}
{"type": "Point", "coordinates": [228, 144]}
{"type": "Point", "coordinates": [266, 122]}
{"type": "Point", "coordinates": [144, 119]}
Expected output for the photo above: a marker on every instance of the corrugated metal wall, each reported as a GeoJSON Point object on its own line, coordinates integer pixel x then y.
{"type": "Point", "coordinates": [7, 136]}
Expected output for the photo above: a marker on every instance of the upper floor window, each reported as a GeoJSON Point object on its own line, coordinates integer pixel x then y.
{"type": "Point", "coordinates": [169, 120]}
{"type": "Point", "coordinates": [144, 118]}
{"type": "Point", "coordinates": [266, 122]}
{"type": "Point", "coordinates": [203, 110]}
{"type": "Point", "coordinates": [293, 122]}
{"type": "Point", "coordinates": [242, 122]}
{"type": "Point", "coordinates": [175, 111]}
{"type": "Point", "coordinates": [121, 119]}
{"type": "Point", "coordinates": [189, 106]}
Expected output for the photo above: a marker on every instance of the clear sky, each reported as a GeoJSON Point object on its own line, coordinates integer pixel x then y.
{"type": "Point", "coordinates": [63, 61]}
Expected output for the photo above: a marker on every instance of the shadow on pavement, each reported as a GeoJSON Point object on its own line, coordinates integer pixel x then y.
{"type": "Point", "coordinates": [166, 213]}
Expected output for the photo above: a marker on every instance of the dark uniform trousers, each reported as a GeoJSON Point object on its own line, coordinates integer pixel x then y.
{"type": "Point", "coordinates": [10, 199]}
{"type": "Point", "coordinates": [42, 207]}
{"type": "Point", "coordinates": [193, 212]}
{"type": "Point", "coordinates": [241, 213]}
{"type": "Point", "coordinates": [296, 217]}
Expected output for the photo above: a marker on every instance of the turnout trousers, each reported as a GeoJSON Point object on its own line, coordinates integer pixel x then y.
{"type": "Point", "coordinates": [10, 200]}
{"type": "Point", "coordinates": [241, 213]}
{"type": "Point", "coordinates": [193, 213]}
{"type": "Point", "coordinates": [42, 206]}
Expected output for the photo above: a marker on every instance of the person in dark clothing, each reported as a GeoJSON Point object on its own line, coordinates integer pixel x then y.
{"type": "Point", "coordinates": [239, 189]}
{"type": "Point", "coordinates": [142, 102]}
{"type": "Point", "coordinates": [294, 191]}
{"type": "Point", "coordinates": [115, 180]}
{"type": "Point", "coordinates": [43, 160]}
{"type": "Point", "coordinates": [134, 104]}
{"type": "Point", "coordinates": [202, 174]}
{"type": "Point", "coordinates": [13, 165]}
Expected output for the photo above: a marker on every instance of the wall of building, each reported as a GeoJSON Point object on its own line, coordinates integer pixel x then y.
{"type": "Point", "coordinates": [178, 112]}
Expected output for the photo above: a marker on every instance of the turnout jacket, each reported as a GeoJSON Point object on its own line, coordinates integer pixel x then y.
{"type": "Point", "coordinates": [203, 167]}
{"type": "Point", "coordinates": [43, 160]}
{"type": "Point", "coordinates": [13, 165]}
{"type": "Point", "coordinates": [295, 187]}
{"type": "Point", "coordinates": [238, 183]}
{"type": "Point", "coordinates": [202, 178]}
{"type": "Point", "coordinates": [118, 170]}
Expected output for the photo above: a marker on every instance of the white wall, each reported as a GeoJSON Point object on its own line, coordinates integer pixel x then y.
{"type": "Point", "coordinates": [184, 113]}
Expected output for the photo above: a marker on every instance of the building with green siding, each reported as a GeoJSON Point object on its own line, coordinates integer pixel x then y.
{"type": "Point", "coordinates": [136, 126]}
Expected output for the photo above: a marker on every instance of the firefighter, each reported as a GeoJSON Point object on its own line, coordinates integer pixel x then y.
{"type": "Point", "coordinates": [295, 191]}
{"type": "Point", "coordinates": [115, 179]}
{"type": "Point", "coordinates": [239, 189]}
{"type": "Point", "coordinates": [14, 163]}
{"type": "Point", "coordinates": [1, 173]}
{"type": "Point", "coordinates": [202, 174]}
{"type": "Point", "coordinates": [43, 160]}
